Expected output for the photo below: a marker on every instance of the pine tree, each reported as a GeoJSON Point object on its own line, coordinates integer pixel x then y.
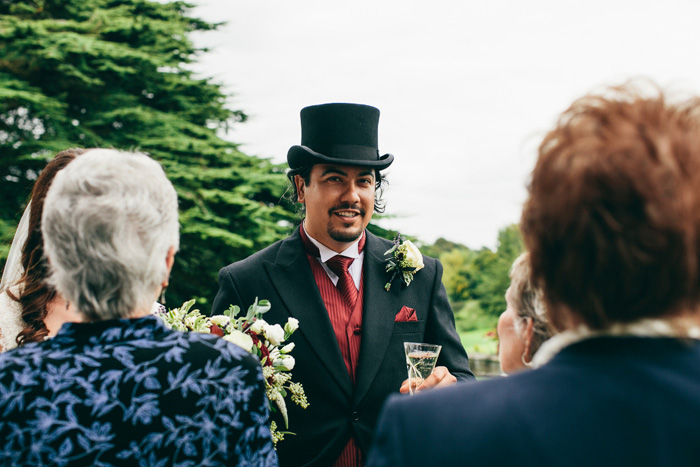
{"type": "Point", "coordinates": [117, 73]}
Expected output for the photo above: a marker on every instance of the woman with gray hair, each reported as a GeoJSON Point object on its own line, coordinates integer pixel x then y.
{"type": "Point", "coordinates": [523, 326]}
{"type": "Point", "coordinates": [120, 387]}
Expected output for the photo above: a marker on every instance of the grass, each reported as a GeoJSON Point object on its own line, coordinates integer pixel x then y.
{"type": "Point", "coordinates": [477, 341]}
{"type": "Point", "coordinates": [476, 328]}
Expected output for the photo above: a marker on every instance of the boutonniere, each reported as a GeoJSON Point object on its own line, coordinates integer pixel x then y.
{"type": "Point", "coordinates": [406, 260]}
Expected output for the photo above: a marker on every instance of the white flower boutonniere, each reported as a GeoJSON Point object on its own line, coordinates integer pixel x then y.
{"type": "Point", "coordinates": [405, 261]}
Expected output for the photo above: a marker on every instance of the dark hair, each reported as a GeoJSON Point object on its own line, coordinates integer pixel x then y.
{"type": "Point", "coordinates": [35, 293]}
{"type": "Point", "coordinates": [305, 173]}
{"type": "Point", "coordinates": [612, 221]}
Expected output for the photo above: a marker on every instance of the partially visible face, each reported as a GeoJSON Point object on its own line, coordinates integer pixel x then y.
{"type": "Point", "coordinates": [510, 345]}
{"type": "Point", "coordinates": [339, 203]}
{"type": "Point", "coordinates": [59, 312]}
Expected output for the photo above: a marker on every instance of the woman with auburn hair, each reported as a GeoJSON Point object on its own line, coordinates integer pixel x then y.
{"type": "Point", "coordinates": [30, 309]}
{"type": "Point", "coordinates": [612, 223]}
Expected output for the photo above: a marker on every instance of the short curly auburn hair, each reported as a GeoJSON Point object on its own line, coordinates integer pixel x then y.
{"type": "Point", "coordinates": [612, 221]}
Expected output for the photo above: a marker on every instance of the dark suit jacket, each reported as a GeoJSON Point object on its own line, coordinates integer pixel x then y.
{"type": "Point", "coordinates": [281, 273]}
{"type": "Point", "coordinates": [601, 402]}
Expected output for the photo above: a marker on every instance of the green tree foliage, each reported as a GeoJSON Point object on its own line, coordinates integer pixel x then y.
{"type": "Point", "coordinates": [116, 73]}
{"type": "Point", "coordinates": [476, 281]}
{"type": "Point", "coordinates": [495, 268]}
{"type": "Point", "coordinates": [458, 273]}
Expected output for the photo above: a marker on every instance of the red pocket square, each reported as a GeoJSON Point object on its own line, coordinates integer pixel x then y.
{"type": "Point", "coordinates": [405, 314]}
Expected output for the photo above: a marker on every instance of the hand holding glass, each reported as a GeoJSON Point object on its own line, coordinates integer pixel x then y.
{"type": "Point", "coordinates": [420, 362]}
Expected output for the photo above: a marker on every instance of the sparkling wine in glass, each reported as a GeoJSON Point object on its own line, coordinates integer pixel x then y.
{"type": "Point", "coordinates": [420, 362]}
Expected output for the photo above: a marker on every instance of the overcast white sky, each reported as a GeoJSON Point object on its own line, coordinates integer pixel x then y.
{"type": "Point", "coordinates": [466, 88]}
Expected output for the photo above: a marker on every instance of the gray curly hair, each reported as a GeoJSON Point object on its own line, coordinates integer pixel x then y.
{"type": "Point", "coordinates": [109, 220]}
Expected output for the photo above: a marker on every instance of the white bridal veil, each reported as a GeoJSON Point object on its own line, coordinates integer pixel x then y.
{"type": "Point", "coordinates": [10, 312]}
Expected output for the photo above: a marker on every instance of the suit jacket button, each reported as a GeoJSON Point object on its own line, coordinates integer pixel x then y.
{"type": "Point", "coordinates": [355, 416]}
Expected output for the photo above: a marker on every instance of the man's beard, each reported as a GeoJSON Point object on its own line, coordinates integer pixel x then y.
{"type": "Point", "coordinates": [345, 236]}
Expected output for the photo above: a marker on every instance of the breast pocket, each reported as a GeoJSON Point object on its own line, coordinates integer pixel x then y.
{"type": "Point", "coordinates": [408, 327]}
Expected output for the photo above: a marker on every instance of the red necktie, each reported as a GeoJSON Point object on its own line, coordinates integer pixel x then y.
{"type": "Point", "coordinates": [346, 286]}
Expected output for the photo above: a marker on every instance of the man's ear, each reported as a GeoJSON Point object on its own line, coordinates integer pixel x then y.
{"type": "Point", "coordinates": [299, 185]}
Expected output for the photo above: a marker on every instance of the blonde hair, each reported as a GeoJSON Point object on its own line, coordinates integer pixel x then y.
{"type": "Point", "coordinates": [528, 303]}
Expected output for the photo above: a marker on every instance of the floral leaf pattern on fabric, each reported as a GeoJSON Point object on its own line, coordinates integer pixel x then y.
{"type": "Point", "coordinates": [131, 392]}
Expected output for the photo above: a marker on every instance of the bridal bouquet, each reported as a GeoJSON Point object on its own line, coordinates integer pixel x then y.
{"type": "Point", "coordinates": [256, 336]}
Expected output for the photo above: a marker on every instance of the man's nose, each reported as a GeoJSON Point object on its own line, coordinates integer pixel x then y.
{"type": "Point", "coordinates": [351, 194]}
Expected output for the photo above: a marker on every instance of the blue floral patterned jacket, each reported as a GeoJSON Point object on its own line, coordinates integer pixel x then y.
{"type": "Point", "coordinates": [132, 392]}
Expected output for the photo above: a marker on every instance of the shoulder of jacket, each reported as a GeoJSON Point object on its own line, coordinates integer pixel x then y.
{"type": "Point", "coordinates": [269, 253]}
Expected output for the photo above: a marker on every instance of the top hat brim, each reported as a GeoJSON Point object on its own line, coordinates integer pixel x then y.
{"type": "Point", "coordinates": [360, 156]}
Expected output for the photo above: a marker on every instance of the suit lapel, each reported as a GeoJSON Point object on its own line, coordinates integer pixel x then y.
{"type": "Point", "coordinates": [378, 315]}
{"type": "Point", "coordinates": [291, 276]}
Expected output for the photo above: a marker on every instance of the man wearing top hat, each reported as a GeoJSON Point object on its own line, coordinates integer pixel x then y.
{"type": "Point", "coordinates": [330, 274]}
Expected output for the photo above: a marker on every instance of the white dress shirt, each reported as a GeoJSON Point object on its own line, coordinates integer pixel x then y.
{"type": "Point", "coordinates": [326, 253]}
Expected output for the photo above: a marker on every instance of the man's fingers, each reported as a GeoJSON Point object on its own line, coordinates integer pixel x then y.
{"type": "Point", "coordinates": [441, 376]}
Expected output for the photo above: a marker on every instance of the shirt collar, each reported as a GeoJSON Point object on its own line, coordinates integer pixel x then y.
{"type": "Point", "coordinates": [326, 253]}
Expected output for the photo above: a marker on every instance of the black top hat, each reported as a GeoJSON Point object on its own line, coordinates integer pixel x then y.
{"type": "Point", "coordinates": [344, 134]}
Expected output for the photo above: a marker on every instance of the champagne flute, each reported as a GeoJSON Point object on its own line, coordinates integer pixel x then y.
{"type": "Point", "coordinates": [420, 362]}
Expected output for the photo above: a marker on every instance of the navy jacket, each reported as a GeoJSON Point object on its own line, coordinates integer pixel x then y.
{"type": "Point", "coordinates": [601, 402]}
{"type": "Point", "coordinates": [131, 392]}
{"type": "Point", "coordinates": [281, 273]}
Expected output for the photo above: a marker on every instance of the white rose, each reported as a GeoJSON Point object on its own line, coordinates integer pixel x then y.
{"type": "Point", "coordinates": [287, 362]}
{"type": "Point", "coordinates": [190, 320]}
{"type": "Point", "coordinates": [274, 333]}
{"type": "Point", "coordinates": [220, 320]}
{"type": "Point", "coordinates": [413, 255]}
{"type": "Point", "coordinates": [241, 339]}
{"type": "Point", "coordinates": [292, 325]}
{"type": "Point", "coordinates": [287, 348]}
{"type": "Point", "coordinates": [258, 326]}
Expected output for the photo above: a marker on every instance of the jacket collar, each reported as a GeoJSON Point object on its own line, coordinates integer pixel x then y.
{"type": "Point", "coordinates": [294, 282]}
{"type": "Point", "coordinates": [378, 315]}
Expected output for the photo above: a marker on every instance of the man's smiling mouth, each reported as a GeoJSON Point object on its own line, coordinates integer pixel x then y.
{"type": "Point", "coordinates": [346, 214]}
